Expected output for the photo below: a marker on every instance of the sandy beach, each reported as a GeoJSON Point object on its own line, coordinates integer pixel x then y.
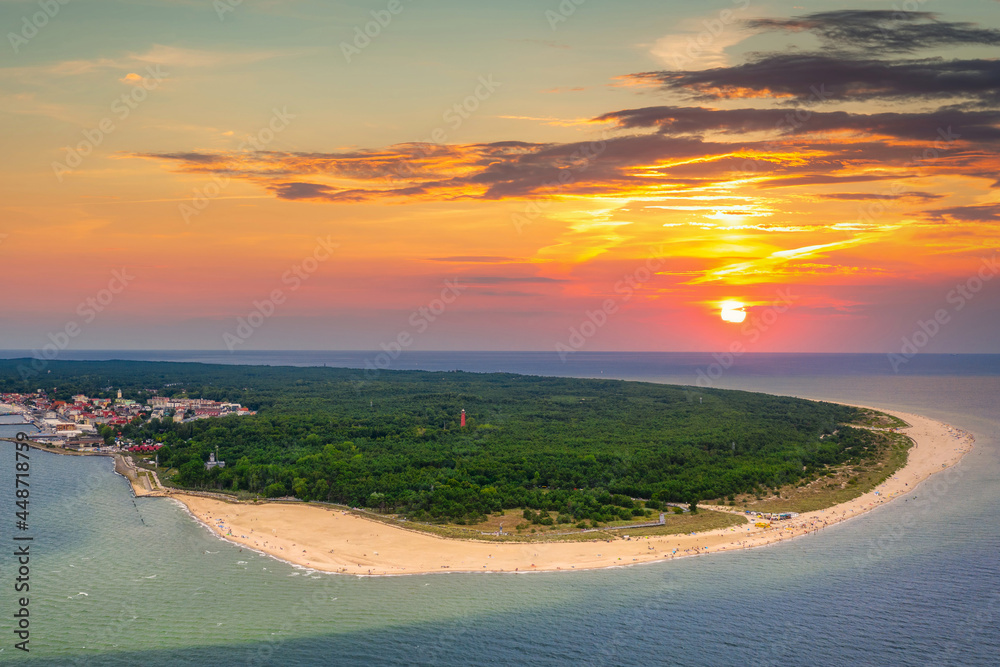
{"type": "Point", "coordinates": [332, 540]}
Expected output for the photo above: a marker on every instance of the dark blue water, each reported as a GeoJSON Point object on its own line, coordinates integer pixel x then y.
{"type": "Point", "coordinates": [911, 583]}
{"type": "Point", "coordinates": [708, 367]}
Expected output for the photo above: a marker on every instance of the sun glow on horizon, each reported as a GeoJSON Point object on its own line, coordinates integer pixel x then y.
{"type": "Point", "coordinates": [732, 311]}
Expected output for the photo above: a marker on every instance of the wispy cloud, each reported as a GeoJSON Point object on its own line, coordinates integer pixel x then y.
{"type": "Point", "coordinates": [702, 42]}
{"type": "Point", "coordinates": [473, 259]}
{"type": "Point", "coordinates": [767, 268]}
{"type": "Point", "coordinates": [157, 54]}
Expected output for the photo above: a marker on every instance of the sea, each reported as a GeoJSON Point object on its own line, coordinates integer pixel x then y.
{"type": "Point", "coordinates": [117, 580]}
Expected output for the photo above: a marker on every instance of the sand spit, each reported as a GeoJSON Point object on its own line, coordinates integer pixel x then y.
{"type": "Point", "coordinates": [333, 540]}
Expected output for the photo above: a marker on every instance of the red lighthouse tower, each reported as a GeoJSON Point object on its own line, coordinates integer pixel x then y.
{"type": "Point", "coordinates": [463, 417]}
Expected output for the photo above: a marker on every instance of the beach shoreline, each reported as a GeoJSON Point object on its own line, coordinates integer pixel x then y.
{"type": "Point", "coordinates": [333, 540]}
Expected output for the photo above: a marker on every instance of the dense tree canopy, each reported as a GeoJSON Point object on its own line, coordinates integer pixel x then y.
{"type": "Point", "coordinates": [392, 442]}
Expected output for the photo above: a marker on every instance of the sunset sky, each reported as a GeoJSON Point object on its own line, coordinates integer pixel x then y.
{"type": "Point", "coordinates": [521, 170]}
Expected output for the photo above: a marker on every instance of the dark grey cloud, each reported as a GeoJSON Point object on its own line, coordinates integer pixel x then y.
{"type": "Point", "coordinates": [857, 62]}
{"type": "Point", "coordinates": [571, 167]}
{"type": "Point", "coordinates": [826, 179]}
{"type": "Point", "coordinates": [622, 164]}
{"type": "Point", "coordinates": [501, 280]}
{"type": "Point", "coordinates": [975, 213]}
{"type": "Point", "coordinates": [506, 293]}
{"type": "Point", "coordinates": [301, 190]}
{"type": "Point", "coordinates": [965, 124]}
{"type": "Point", "coordinates": [826, 77]}
{"type": "Point", "coordinates": [882, 30]}
{"type": "Point", "coordinates": [189, 157]}
{"type": "Point", "coordinates": [867, 196]}
{"type": "Point", "coordinates": [486, 259]}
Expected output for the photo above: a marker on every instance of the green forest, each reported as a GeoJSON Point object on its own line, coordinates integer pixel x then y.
{"type": "Point", "coordinates": [588, 449]}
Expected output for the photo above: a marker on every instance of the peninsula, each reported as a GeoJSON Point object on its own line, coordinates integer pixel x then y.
{"type": "Point", "coordinates": [411, 472]}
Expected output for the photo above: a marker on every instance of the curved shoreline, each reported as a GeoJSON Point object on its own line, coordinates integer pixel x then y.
{"type": "Point", "coordinates": [331, 540]}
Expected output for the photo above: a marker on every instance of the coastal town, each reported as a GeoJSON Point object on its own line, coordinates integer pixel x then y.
{"type": "Point", "coordinates": [94, 424]}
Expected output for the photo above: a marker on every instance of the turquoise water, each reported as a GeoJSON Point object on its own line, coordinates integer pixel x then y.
{"type": "Point", "coordinates": [122, 581]}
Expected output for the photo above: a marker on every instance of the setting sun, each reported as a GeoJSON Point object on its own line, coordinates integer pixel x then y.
{"type": "Point", "coordinates": [732, 311]}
